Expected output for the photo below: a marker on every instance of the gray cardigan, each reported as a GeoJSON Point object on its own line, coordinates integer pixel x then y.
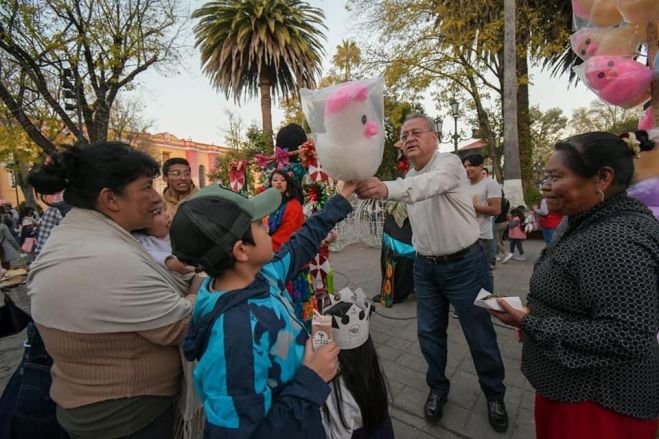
{"type": "Point", "coordinates": [591, 334]}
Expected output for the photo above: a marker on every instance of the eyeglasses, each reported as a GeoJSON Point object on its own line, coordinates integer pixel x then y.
{"type": "Point", "coordinates": [416, 133]}
{"type": "Point", "coordinates": [179, 174]}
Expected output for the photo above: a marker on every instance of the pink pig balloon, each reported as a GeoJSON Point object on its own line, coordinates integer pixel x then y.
{"type": "Point", "coordinates": [592, 41]}
{"type": "Point", "coordinates": [617, 80]}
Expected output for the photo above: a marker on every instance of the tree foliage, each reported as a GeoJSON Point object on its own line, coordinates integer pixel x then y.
{"type": "Point", "coordinates": [457, 47]}
{"type": "Point", "coordinates": [128, 124]}
{"type": "Point", "coordinates": [395, 112]}
{"type": "Point", "coordinates": [260, 47]}
{"type": "Point", "coordinates": [102, 46]}
{"type": "Point", "coordinates": [248, 143]}
{"type": "Point", "coordinates": [547, 128]}
{"type": "Point", "coordinates": [599, 116]}
{"type": "Point", "coordinates": [346, 58]}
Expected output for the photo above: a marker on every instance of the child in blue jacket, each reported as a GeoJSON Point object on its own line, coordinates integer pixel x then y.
{"type": "Point", "coordinates": [257, 375]}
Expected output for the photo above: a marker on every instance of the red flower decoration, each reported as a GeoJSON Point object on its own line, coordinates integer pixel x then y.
{"type": "Point", "coordinates": [281, 155]}
{"type": "Point", "coordinates": [237, 174]}
{"type": "Point", "coordinates": [262, 160]}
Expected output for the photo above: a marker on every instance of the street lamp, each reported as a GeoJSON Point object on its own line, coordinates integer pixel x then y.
{"type": "Point", "coordinates": [454, 137]}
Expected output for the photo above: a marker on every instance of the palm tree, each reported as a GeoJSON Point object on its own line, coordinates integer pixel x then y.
{"type": "Point", "coordinates": [513, 182]}
{"type": "Point", "coordinates": [347, 56]}
{"type": "Point", "coordinates": [260, 47]}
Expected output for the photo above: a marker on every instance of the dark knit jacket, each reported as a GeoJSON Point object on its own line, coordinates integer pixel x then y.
{"type": "Point", "coordinates": [591, 334]}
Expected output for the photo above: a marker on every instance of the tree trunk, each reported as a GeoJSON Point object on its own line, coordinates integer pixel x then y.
{"type": "Point", "coordinates": [513, 183]}
{"type": "Point", "coordinates": [485, 129]}
{"type": "Point", "coordinates": [266, 108]}
{"type": "Point", "coordinates": [523, 117]}
{"type": "Point", "coordinates": [28, 192]}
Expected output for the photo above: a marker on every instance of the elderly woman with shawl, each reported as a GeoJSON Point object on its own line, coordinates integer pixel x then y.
{"type": "Point", "coordinates": [109, 314]}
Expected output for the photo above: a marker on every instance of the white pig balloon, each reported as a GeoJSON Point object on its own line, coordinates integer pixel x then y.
{"type": "Point", "coordinates": [351, 142]}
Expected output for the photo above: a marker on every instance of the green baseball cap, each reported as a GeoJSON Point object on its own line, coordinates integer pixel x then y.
{"type": "Point", "coordinates": [206, 226]}
{"type": "Point", "coordinates": [257, 207]}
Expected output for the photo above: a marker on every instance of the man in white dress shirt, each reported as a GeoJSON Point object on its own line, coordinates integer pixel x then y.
{"type": "Point", "coordinates": [450, 266]}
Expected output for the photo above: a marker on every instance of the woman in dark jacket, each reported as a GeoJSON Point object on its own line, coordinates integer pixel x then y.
{"type": "Point", "coordinates": [590, 347]}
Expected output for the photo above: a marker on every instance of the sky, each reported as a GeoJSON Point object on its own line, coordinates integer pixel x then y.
{"type": "Point", "coordinates": [184, 103]}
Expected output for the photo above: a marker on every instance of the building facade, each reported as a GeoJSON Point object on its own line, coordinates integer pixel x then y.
{"type": "Point", "coordinates": [201, 156]}
{"type": "Point", "coordinates": [162, 146]}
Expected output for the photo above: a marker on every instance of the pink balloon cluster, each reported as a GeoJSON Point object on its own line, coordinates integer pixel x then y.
{"type": "Point", "coordinates": [609, 37]}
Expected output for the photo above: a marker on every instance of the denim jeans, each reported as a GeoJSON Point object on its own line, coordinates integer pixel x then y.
{"type": "Point", "coordinates": [516, 243]}
{"type": "Point", "coordinates": [490, 257]}
{"type": "Point", "coordinates": [26, 410]}
{"type": "Point", "coordinates": [457, 283]}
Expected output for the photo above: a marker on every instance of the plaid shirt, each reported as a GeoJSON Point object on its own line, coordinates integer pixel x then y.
{"type": "Point", "coordinates": [50, 220]}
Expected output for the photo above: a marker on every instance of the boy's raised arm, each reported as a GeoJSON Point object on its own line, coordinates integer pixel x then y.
{"type": "Point", "coordinates": [305, 243]}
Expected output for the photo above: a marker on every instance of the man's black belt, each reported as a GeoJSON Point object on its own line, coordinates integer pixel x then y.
{"type": "Point", "coordinates": [453, 257]}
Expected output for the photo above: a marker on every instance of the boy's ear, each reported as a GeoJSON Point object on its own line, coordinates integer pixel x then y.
{"type": "Point", "coordinates": [238, 251]}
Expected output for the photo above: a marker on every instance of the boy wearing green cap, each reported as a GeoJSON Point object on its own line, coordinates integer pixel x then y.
{"type": "Point", "coordinates": [257, 374]}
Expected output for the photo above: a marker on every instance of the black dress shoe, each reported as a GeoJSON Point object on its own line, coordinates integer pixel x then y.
{"type": "Point", "coordinates": [434, 406]}
{"type": "Point", "coordinates": [496, 413]}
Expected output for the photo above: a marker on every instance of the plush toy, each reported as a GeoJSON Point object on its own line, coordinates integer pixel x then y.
{"type": "Point", "coordinates": [353, 143]}
{"type": "Point", "coordinates": [605, 13]}
{"type": "Point", "coordinates": [589, 42]}
{"type": "Point", "coordinates": [638, 11]}
{"type": "Point", "coordinates": [641, 31]}
{"type": "Point", "coordinates": [617, 80]}
{"type": "Point", "coordinates": [581, 8]}
{"type": "Point", "coordinates": [598, 12]}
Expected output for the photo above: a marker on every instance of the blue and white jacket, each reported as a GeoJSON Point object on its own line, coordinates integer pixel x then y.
{"type": "Point", "coordinates": [250, 347]}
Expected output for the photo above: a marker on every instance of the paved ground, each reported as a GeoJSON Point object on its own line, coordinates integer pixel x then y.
{"type": "Point", "coordinates": [394, 333]}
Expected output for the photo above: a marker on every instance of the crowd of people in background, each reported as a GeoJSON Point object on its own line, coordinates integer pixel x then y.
{"type": "Point", "coordinates": [154, 349]}
{"type": "Point", "coordinates": [19, 234]}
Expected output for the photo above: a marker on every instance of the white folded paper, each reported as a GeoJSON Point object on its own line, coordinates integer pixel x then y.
{"type": "Point", "coordinates": [515, 302]}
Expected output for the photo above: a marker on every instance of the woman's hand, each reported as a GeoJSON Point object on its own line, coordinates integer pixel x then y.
{"type": "Point", "coordinates": [510, 316]}
{"type": "Point", "coordinates": [324, 361]}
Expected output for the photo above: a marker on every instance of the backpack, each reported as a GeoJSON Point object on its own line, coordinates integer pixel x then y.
{"type": "Point", "coordinates": [505, 207]}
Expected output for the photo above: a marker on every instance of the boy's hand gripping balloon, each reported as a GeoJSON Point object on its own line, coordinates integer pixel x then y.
{"type": "Point", "coordinates": [347, 123]}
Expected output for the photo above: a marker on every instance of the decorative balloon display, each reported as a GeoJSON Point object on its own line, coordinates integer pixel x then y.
{"type": "Point", "coordinates": [589, 42]}
{"type": "Point", "coordinates": [617, 80]}
{"type": "Point", "coordinates": [347, 123]}
{"type": "Point", "coordinates": [611, 38]}
{"type": "Point", "coordinates": [638, 11]}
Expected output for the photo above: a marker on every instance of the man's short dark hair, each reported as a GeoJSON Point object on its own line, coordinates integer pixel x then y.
{"type": "Point", "coordinates": [474, 159]}
{"type": "Point", "coordinates": [173, 161]}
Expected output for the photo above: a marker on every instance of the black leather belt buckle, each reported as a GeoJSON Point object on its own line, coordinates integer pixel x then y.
{"type": "Point", "coordinates": [453, 257]}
